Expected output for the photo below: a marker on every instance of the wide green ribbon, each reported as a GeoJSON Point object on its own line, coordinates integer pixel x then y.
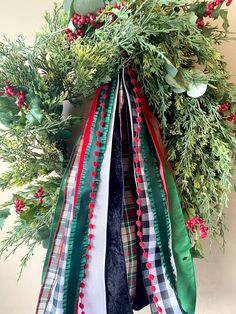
{"type": "Point", "coordinates": [186, 283]}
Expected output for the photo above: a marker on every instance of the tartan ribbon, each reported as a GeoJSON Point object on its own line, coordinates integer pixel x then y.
{"type": "Point", "coordinates": [128, 226]}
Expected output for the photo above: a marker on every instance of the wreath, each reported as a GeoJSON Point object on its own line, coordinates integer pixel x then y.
{"type": "Point", "coordinates": [172, 46]}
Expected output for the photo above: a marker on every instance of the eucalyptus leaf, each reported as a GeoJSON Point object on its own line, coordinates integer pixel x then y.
{"type": "Point", "coordinates": [171, 69]}
{"type": "Point", "coordinates": [83, 7]}
{"type": "Point", "coordinates": [35, 114]}
{"type": "Point", "coordinates": [67, 5]}
{"type": "Point", "coordinates": [43, 233]}
{"type": "Point", "coordinates": [196, 89]}
{"type": "Point", "coordinates": [4, 213]}
{"type": "Point", "coordinates": [173, 82]}
{"type": "Point", "coordinates": [193, 18]}
{"type": "Point", "coordinates": [45, 243]}
{"type": "Point", "coordinates": [179, 90]}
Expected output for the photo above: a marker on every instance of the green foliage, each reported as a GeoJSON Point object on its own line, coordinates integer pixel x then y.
{"type": "Point", "coordinates": [4, 213]}
{"type": "Point", "coordinates": [183, 76]}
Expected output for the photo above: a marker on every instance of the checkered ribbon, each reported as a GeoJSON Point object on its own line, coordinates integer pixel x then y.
{"type": "Point", "coordinates": [51, 300]}
{"type": "Point", "coordinates": [167, 298]}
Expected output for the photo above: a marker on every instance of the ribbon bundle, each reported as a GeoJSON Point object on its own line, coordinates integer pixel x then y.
{"type": "Point", "coordinates": [118, 240]}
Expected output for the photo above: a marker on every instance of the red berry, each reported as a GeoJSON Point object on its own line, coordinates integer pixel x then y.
{"type": "Point", "coordinates": [40, 201]}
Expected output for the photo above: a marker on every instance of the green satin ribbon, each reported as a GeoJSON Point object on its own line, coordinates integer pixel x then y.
{"type": "Point", "coordinates": [78, 238]}
{"type": "Point", "coordinates": [186, 283]}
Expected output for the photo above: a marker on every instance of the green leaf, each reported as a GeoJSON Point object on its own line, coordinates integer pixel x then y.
{"type": "Point", "coordinates": [83, 7]}
{"type": "Point", "coordinates": [28, 215]}
{"type": "Point", "coordinates": [197, 250]}
{"type": "Point", "coordinates": [9, 111]}
{"type": "Point", "coordinates": [171, 69]}
{"type": "Point", "coordinates": [224, 16]}
{"type": "Point", "coordinates": [43, 234]}
{"type": "Point", "coordinates": [173, 82]}
{"type": "Point", "coordinates": [193, 18]}
{"type": "Point", "coordinates": [4, 213]}
{"type": "Point", "coordinates": [196, 89]}
{"type": "Point", "coordinates": [45, 243]}
{"type": "Point", "coordinates": [67, 5]}
{"type": "Point", "coordinates": [35, 114]}
{"type": "Point", "coordinates": [179, 90]}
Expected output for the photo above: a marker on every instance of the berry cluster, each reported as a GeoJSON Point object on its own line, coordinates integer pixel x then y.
{"type": "Point", "coordinates": [138, 179]}
{"type": "Point", "coordinates": [11, 92]}
{"type": "Point", "coordinates": [19, 205]}
{"type": "Point", "coordinates": [38, 195]}
{"type": "Point", "coordinates": [209, 8]}
{"type": "Point", "coordinates": [224, 107]}
{"type": "Point", "coordinates": [231, 117]}
{"type": "Point", "coordinates": [82, 23]}
{"type": "Point", "coordinates": [92, 196]}
{"type": "Point", "coordinates": [192, 222]}
{"type": "Point", "coordinates": [118, 5]}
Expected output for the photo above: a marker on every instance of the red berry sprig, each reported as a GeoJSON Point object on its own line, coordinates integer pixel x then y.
{"type": "Point", "coordinates": [231, 117]}
{"type": "Point", "coordinates": [212, 5]}
{"type": "Point", "coordinates": [223, 107]}
{"type": "Point", "coordinates": [38, 195]}
{"type": "Point", "coordinates": [118, 5]}
{"type": "Point", "coordinates": [83, 22]}
{"type": "Point", "coordinates": [138, 179]}
{"type": "Point", "coordinates": [92, 196]}
{"type": "Point", "coordinates": [11, 92]}
{"type": "Point", "coordinates": [192, 222]}
{"type": "Point", "coordinates": [19, 205]}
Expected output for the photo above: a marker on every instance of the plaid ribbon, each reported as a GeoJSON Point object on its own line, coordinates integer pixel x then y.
{"type": "Point", "coordinates": [128, 227]}
{"type": "Point", "coordinates": [166, 295]}
{"type": "Point", "coordinates": [52, 290]}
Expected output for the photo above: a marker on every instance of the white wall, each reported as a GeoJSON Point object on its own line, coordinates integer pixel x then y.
{"type": "Point", "coordinates": [216, 276]}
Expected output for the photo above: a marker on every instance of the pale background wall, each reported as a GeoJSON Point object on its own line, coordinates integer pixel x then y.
{"type": "Point", "coordinates": [216, 277]}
